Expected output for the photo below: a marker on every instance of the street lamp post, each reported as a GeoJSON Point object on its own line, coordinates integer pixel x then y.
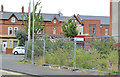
{"type": "Point", "coordinates": [33, 37]}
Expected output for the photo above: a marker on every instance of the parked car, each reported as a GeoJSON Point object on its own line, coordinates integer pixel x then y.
{"type": "Point", "coordinates": [18, 50]}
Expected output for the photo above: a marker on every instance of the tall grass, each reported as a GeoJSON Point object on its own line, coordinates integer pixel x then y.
{"type": "Point", "coordinates": [101, 56]}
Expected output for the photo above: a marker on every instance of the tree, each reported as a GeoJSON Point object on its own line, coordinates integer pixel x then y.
{"type": "Point", "coordinates": [70, 29]}
{"type": "Point", "coordinates": [21, 36]}
{"type": "Point", "coordinates": [38, 21]}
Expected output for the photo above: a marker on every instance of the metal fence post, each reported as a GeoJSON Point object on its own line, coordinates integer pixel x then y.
{"type": "Point", "coordinates": [84, 44]}
{"type": "Point", "coordinates": [44, 53]}
{"type": "Point", "coordinates": [33, 37]}
{"type": "Point", "coordinates": [118, 59]}
{"type": "Point", "coordinates": [74, 63]}
{"type": "Point", "coordinates": [27, 50]}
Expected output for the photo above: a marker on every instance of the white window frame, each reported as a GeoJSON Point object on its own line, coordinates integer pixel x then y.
{"type": "Point", "coordinates": [39, 32]}
{"type": "Point", "coordinates": [75, 21]}
{"type": "Point", "coordinates": [81, 30]}
{"type": "Point", "coordinates": [14, 29]}
{"type": "Point", "coordinates": [13, 19]}
{"type": "Point", "coordinates": [106, 32]}
{"type": "Point", "coordinates": [15, 44]}
{"type": "Point", "coordinates": [9, 28]}
{"type": "Point", "coordinates": [54, 31]}
{"type": "Point", "coordinates": [55, 21]}
{"type": "Point", "coordinates": [10, 43]}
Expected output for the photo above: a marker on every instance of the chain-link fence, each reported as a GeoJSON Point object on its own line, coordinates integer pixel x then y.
{"type": "Point", "coordinates": [59, 52]}
{"type": "Point", "coordinates": [96, 53]}
{"type": "Point", "coordinates": [38, 48]}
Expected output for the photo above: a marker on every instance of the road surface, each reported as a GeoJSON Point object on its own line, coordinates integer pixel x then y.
{"type": "Point", "coordinates": [9, 62]}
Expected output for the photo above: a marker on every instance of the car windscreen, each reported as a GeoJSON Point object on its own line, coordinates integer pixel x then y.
{"type": "Point", "coordinates": [17, 48]}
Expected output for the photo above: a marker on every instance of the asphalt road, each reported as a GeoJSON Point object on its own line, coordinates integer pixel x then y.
{"type": "Point", "coordinates": [9, 62]}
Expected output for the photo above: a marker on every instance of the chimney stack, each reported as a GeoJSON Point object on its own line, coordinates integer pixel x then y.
{"type": "Point", "coordinates": [22, 9]}
{"type": "Point", "coordinates": [1, 8]}
{"type": "Point", "coordinates": [60, 13]}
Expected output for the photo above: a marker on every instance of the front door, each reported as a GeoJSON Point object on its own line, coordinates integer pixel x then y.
{"type": "Point", "coordinates": [4, 46]}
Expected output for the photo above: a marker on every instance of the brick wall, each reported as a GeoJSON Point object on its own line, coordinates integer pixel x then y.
{"type": "Point", "coordinates": [99, 29]}
{"type": "Point", "coordinates": [5, 29]}
{"type": "Point", "coordinates": [110, 17]}
{"type": "Point", "coordinates": [92, 22]}
{"type": "Point", "coordinates": [103, 29]}
{"type": "Point", "coordinates": [9, 51]}
{"type": "Point", "coordinates": [50, 26]}
{"type": "Point", "coordinates": [7, 23]}
{"type": "Point", "coordinates": [48, 30]}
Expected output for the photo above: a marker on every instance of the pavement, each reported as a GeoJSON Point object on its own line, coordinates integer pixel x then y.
{"type": "Point", "coordinates": [9, 63]}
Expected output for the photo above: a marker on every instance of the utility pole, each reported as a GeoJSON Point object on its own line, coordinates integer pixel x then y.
{"type": "Point", "coordinates": [28, 29]}
{"type": "Point", "coordinates": [33, 37]}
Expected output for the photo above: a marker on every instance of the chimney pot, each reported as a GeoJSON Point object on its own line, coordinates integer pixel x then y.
{"type": "Point", "coordinates": [1, 8]}
{"type": "Point", "coordinates": [22, 9]}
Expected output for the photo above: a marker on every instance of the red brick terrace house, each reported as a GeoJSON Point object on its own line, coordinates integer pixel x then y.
{"type": "Point", "coordinates": [92, 25]}
{"type": "Point", "coordinates": [53, 24]}
{"type": "Point", "coordinates": [95, 25]}
{"type": "Point", "coordinates": [10, 22]}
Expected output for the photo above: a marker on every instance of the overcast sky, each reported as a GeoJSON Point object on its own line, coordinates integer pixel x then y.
{"type": "Point", "coordinates": [67, 7]}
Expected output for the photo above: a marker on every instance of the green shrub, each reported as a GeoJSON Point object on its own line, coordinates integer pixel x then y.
{"type": "Point", "coordinates": [92, 59]}
{"type": "Point", "coordinates": [104, 45]}
{"type": "Point", "coordinates": [113, 56]}
{"type": "Point", "coordinates": [21, 35]}
{"type": "Point", "coordinates": [87, 59]}
{"type": "Point", "coordinates": [61, 52]}
{"type": "Point", "coordinates": [38, 49]}
{"type": "Point", "coordinates": [59, 58]}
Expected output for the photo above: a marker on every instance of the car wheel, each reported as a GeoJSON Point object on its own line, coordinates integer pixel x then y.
{"type": "Point", "coordinates": [15, 53]}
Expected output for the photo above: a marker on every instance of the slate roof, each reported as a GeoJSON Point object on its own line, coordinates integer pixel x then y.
{"type": "Point", "coordinates": [46, 16]}
{"type": "Point", "coordinates": [105, 20]}
{"type": "Point", "coordinates": [7, 15]}
{"type": "Point", "coordinates": [50, 17]}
